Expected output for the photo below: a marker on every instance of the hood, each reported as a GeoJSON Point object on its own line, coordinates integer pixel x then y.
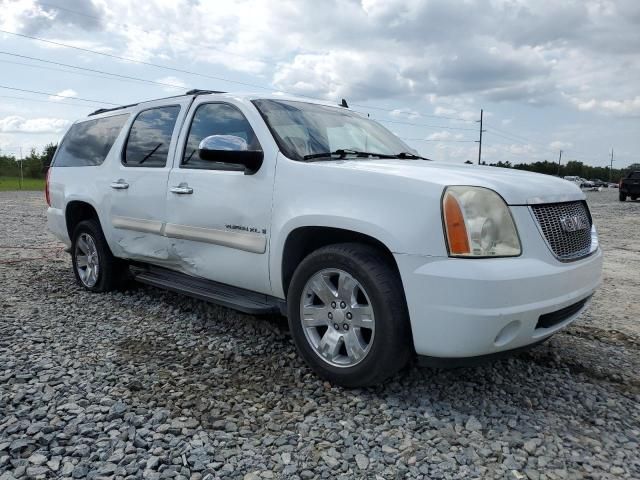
{"type": "Point", "coordinates": [517, 187]}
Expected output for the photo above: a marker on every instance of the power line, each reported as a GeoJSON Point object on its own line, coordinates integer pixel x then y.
{"type": "Point", "coordinates": [59, 96]}
{"type": "Point", "coordinates": [189, 72]}
{"type": "Point", "coordinates": [128, 27]}
{"type": "Point", "coordinates": [436, 140]}
{"type": "Point", "coordinates": [140, 62]}
{"type": "Point", "coordinates": [102, 72]}
{"type": "Point", "coordinates": [57, 102]}
{"type": "Point", "coordinates": [421, 124]}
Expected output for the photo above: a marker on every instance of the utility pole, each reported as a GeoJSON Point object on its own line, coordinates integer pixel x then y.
{"type": "Point", "coordinates": [559, 161]}
{"type": "Point", "coordinates": [21, 168]}
{"type": "Point", "coordinates": [611, 166]}
{"type": "Point", "coordinates": [479, 142]}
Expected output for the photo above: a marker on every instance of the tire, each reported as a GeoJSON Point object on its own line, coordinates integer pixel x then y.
{"type": "Point", "coordinates": [634, 198]}
{"type": "Point", "coordinates": [622, 196]}
{"type": "Point", "coordinates": [89, 242]}
{"type": "Point", "coordinates": [379, 348]}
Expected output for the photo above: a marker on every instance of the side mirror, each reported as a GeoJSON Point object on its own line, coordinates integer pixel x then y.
{"type": "Point", "coordinates": [231, 149]}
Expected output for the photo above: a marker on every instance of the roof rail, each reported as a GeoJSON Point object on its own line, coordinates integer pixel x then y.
{"type": "Point", "coordinates": [196, 91]}
{"type": "Point", "coordinates": [103, 110]}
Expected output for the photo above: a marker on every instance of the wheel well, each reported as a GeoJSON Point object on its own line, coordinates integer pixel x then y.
{"type": "Point", "coordinates": [76, 212]}
{"type": "Point", "coordinates": [304, 240]}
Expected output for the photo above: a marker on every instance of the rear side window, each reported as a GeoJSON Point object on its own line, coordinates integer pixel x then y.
{"type": "Point", "coordinates": [150, 137]}
{"type": "Point", "coordinates": [216, 119]}
{"type": "Point", "coordinates": [88, 143]}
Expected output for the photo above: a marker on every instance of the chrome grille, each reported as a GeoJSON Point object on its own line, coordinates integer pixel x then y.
{"type": "Point", "coordinates": [566, 245]}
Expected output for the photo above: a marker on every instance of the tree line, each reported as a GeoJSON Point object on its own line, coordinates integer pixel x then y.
{"type": "Point", "coordinates": [571, 168]}
{"type": "Point", "coordinates": [35, 165]}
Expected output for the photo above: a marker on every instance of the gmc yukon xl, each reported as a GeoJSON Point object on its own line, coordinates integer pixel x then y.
{"type": "Point", "coordinates": [271, 204]}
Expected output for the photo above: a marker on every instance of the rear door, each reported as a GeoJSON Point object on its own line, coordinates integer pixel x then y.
{"type": "Point", "coordinates": [138, 181]}
{"type": "Point", "coordinates": [217, 217]}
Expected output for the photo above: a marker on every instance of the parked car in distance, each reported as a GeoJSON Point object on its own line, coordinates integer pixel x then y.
{"type": "Point", "coordinates": [599, 183]}
{"type": "Point", "coordinates": [584, 183]}
{"type": "Point", "coordinates": [573, 179]}
{"type": "Point", "coordinates": [630, 186]}
{"type": "Point", "coordinates": [277, 205]}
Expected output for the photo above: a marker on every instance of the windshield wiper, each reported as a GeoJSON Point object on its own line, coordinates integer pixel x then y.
{"type": "Point", "coordinates": [408, 155]}
{"type": "Point", "coordinates": [186, 160]}
{"type": "Point", "coordinates": [148, 155]}
{"type": "Point", "coordinates": [343, 152]}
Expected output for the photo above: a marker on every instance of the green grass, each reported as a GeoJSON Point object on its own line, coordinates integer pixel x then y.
{"type": "Point", "coordinates": [13, 183]}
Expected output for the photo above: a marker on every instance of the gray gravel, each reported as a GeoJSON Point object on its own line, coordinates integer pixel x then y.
{"type": "Point", "coordinates": [147, 384]}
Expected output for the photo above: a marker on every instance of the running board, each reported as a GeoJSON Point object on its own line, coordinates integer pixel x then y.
{"type": "Point", "coordinates": [232, 297]}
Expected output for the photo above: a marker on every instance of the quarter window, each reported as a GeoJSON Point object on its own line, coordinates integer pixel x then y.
{"type": "Point", "coordinates": [216, 119]}
{"type": "Point", "coordinates": [88, 143]}
{"type": "Point", "coordinates": [150, 137]}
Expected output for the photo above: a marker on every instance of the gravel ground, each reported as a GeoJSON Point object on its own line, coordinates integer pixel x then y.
{"type": "Point", "coordinates": [148, 384]}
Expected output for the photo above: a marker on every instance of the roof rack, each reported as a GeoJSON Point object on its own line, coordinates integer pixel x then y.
{"type": "Point", "coordinates": [194, 91]}
{"type": "Point", "coordinates": [103, 110]}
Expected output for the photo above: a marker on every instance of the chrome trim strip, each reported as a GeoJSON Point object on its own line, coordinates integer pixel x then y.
{"type": "Point", "coordinates": [567, 197]}
{"type": "Point", "coordinates": [249, 242]}
{"type": "Point", "coordinates": [137, 224]}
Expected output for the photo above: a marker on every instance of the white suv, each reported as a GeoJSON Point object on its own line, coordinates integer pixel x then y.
{"type": "Point", "coordinates": [269, 204]}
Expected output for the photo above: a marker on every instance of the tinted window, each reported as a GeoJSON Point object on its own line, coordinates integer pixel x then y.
{"type": "Point", "coordinates": [88, 143]}
{"type": "Point", "coordinates": [150, 137]}
{"type": "Point", "coordinates": [216, 119]}
{"type": "Point", "coordinates": [634, 175]}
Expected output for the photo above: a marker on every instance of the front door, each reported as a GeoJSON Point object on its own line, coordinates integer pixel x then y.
{"type": "Point", "coordinates": [138, 182]}
{"type": "Point", "coordinates": [217, 218]}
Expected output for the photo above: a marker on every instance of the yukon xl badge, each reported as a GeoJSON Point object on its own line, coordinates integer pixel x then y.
{"type": "Point", "coordinates": [573, 223]}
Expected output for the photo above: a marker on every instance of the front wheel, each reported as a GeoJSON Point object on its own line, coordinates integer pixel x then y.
{"type": "Point", "coordinates": [348, 316]}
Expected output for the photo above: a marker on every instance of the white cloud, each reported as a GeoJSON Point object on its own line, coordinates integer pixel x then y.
{"type": "Point", "coordinates": [445, 135]}
{"type": "Point", "coordinates": [16, 124]}
{"type": "Point", "coordinates": [629, 106]}
{"type": "Point", "coordinates": [67, 93]}
{"type": "Point", "coordinates": [173, 84]}
{"type": "Point", "coordinates": [558, 145]}
{"type": "Point", "coordinates": [405, 113]}
{"type": "Point", "coordinates": [451, 112]}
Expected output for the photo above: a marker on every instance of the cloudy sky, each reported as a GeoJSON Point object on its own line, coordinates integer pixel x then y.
{"type": "Point", "coordinates": [549, 74]}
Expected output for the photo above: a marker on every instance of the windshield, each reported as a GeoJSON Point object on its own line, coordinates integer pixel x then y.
{"type": "Point", "coordinates": [310, 130]}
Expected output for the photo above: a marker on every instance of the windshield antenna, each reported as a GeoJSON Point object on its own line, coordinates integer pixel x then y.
{"type": "Point", "coordinates": [344, 103]}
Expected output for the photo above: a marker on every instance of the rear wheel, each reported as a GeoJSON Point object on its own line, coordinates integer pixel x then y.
{"type": "Point", "coordinates": [95, 267]}
{"type": "Point", "coordinates": [622, 197]}
{"type": "Point", "coordinates": [348, 315]}
{"type": "Point", "coordinates": [634, 197]}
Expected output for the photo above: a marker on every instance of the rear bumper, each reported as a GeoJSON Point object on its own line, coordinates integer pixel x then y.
{"type": "Point", "coordinates": [462, 308]}
{"type": "Point", "coordinates": [57, 224]}
{"type": "Point", "coordinates": [630, 189]}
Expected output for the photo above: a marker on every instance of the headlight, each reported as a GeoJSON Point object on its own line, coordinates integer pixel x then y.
{"type": "Point", "coordinates": [478, 223]}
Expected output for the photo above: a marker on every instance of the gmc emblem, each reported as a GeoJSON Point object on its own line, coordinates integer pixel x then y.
{"type": "Point", "coordinates": [573, 223]}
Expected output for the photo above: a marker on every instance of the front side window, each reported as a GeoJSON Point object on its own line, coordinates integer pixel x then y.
{"type": "Point", "coordinates": [216, 119]}
{"type": "Point", "coordinates": [306, 130]}
{"type": "Point", "coordinates": [88, 143]}
{"type": "Point", "coordinates": [150, 137]}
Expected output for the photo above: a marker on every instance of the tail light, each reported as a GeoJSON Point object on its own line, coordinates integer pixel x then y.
{"type": "Point", "coordinates": [47, 195]}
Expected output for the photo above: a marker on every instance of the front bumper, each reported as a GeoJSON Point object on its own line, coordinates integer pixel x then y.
{"type": "Point", "coordinates": [463, 308]}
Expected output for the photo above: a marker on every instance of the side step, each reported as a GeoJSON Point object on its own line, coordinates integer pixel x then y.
{"type": "Point", "coordinates": [232, 297]}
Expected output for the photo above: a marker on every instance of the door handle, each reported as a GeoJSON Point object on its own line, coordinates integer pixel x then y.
{"type": "Point", "coordinates": [119, 185]}
{"type": "Point", "coordinates": [182, 189]}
